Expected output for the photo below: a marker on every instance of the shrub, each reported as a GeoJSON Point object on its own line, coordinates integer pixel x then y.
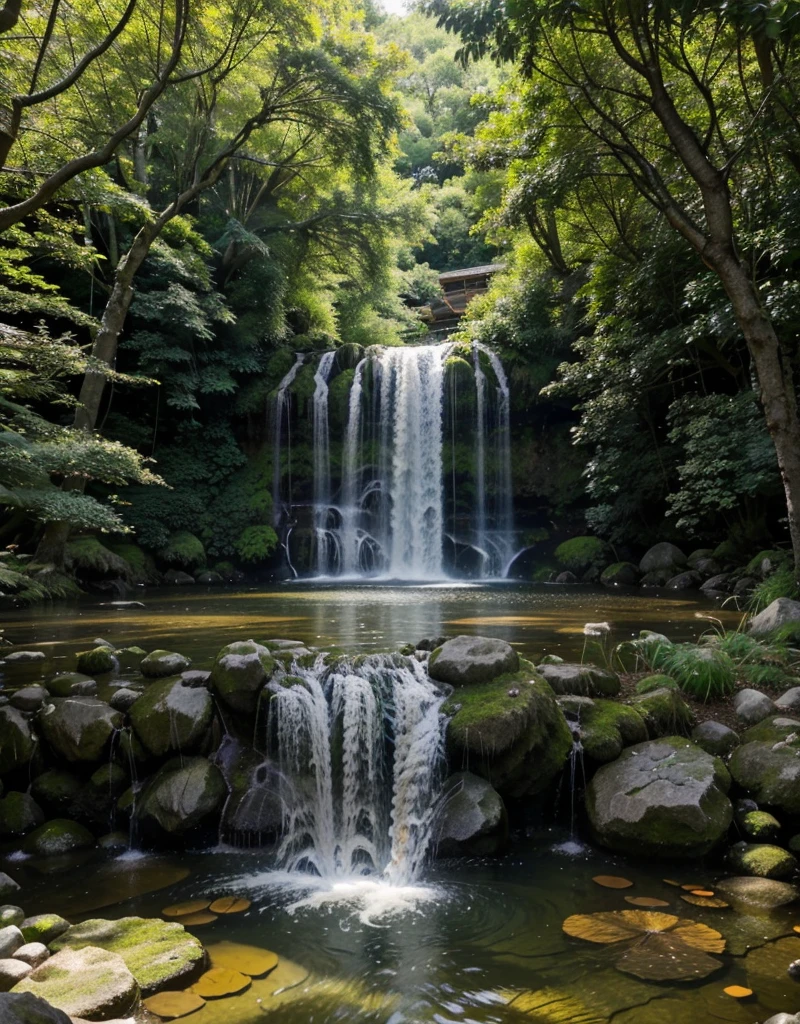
{"type": "Point", "coordinates": [782, 583]}
{"type": "Point", "coordinates": [703, 672]}
{"type": "Point", "coordinates": [256, 543]}
{"type": "Point", "coordinates": [656, 682]}
{"type": "Point", "coordinates": [581, 553]}
{"type": "Point", "coordinates": [183, 549]}
{"type": "Point", "coordinates": [86, 555]}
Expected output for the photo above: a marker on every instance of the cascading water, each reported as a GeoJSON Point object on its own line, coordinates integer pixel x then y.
{"type": "Point", "coordinates": [281, 413]}
{"type": "Point", "coordinates": [360, 749]}
{"type": "Point", "coordinates": [394, 493]}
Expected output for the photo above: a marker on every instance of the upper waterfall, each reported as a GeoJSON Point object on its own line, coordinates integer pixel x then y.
{"type": "Point", "coordinates": [409, 463]}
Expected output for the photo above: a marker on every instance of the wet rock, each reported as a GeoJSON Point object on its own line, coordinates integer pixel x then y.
{"type": "Point", "coordinates": [33, 953]}
{"type": "Point", "coordinates": [581, 680]}
{"type": "Point", "coordinates": [29, 698]}
{"type": "Point", "coordinates": [79, 728]}
{"type": "Point", "coordinates": [114, 841]}
{"type": "Point", "coordinates": [473, 821]}
{"type": "Point", "coordinates": [124, 699]}
{"type": "Point", "coordinates": [181, 794]}
{"type": "Point", "coordinates": [759, 892]}
{"type": "Point", "coordinates": [10, 914]}
{"type": "Point", "coordinates": [664, 712]}
{"type": "Point", "coordinates": [196, 677]}
{"type": "Point", "coordinates": [767, 764]}
{"type": "Point", "coordinates": [11, 938]}
{"type": "Point", "coordinates": [11, 972]}
{"type": "Point", "coordinates": [519, 744]}
{"type": "Point", "coordinates": [656, 578]}
{"type": "Point", "coordinates": [789, 701]}
{"type": "Point", "coordinates": [96, 662]}
{"type": "Point", "coordinates": [240, 672]}
{"type": "Point", "coordinates": [752, 706]}
{"type": "Point", "coordinates": [794, 843]}
{"type": "Point", "coordinates": [89, 982]}
{"type": "Point", "coordinates": [690, 580]}
{"type": "Point", "coordinates": [16, 740]}
{"type": "Point", "coordinates": [665, 797]}
{"type": "Point", "coordinates": [43, 928]}
{"type": "Point", "coordinates": [467, 660]}
{"type": "Point", "coordinates": [782, 612]}
{"type": "Point", "coordinates": [760, 825]}
{"type": "Point", "coordinates": [720, 582]}
{"type": "Point", "coordinates": [20, 657]}
{"type": "Point", "coordinates": [783, 1018]}
{"type": "Point", "coordinates": [157, 953]}
{"type": "Point", "coordinates": [24, 1008]}
{"type": "Point", "coordinates": [662, 556]}
{"type": "Point", "coordinates": [566, 577]}
{"type": "Point", "coordinates": [178, 578]}
{"type": "Point", "coordinates": [605, 727]}
{"type": "Point", "coordinates": [761, 860]}
{"type": "Point", "coordinates": [19, 813]}
{"type": "Point", "coordinates": [158, 664]}
{"type": "Point", "coordinates": [745, 585]}
{"type": "Point", "coordinates": [8, 887]}
{"type": "Point", "coordinates": [71, 684]}
{"type": "Point", "coordinates": [58, 836]}
{"type": "Point", "coordinates": [620, 574]}
{"type": "Point", "coordinates": [172, 717]}
{"type": "Point", "coordinates": [209, 579]}
{"type": "Point", "coordinates": [715, 738]}
{"type": "Point", "coordinates": [55, 790]}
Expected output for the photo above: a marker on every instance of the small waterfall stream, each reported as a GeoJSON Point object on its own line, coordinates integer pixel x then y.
{"type": "Point", "coordinates": [281, 413]}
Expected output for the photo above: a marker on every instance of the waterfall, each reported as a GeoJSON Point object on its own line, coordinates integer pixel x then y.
{"type": "Point", "coordinates": [361, 750]}
{"type": "Point", "coordinates": [282, 401]}
{"type": "Point", "coordinates": [503, 489]}
{"type": "Point", "coordinates": [480, 457]}
{"type": "Point", "coordinates": [351, 485]}
{"type": "Point", "coordinates": [322, 462]}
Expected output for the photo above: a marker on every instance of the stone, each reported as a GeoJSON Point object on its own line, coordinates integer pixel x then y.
{"type": "Point", "coordinates": [620, 574]}
{"type": "Point", "coordinates": [789, 701]}
{"type": "Point", "coordinates": [581, 680]}
{"type": "Point", "coordinates": [70, 684]}
{"type": "Point", "coordinates": [752, 706]}
{"type": "Point", "coordinates": [19, 813]}
{"type": "Point", "coordinates": [473, 821]}
{"type": "Point", "coordinates": [665, 798]}
{"type": "Point", "coordinates": [209, 578]}
{"type": "Point", "coordinates": [656, 578]}
{"type": "Point", "coordinates": [57, 836]}
{"type": "Point", "coordinates": [690, 580]}
{"type": "Point", "coordinates": [715, 738]}
{"type": "Point", "coordinates": [664, 712]}
{"type": "Point", "coordinates": [782, 612]}
{"type": "Point", "coordinates": [10, 914]}
{"type": "Point", "coordinates": [29, 698]}
{"type": "Point", "coordinates": [604, 727]}
{"type": "Point", "coordinates": [762, 860]}
{"type": "Point", "coordinates": [16, 740]}
{"type": "Point", "coordinates": [89, 982]}
{"type": "Point", "coordinates": [158, 664]}
{"type": "Point", "coordinates": [43, 928]}
{"type": "Point", "coordinates": [758, 892]}
{"type": "Point", "coordinates": [745, 585]}
{"type": "Point", "coordinates": [181, 794]}
{"type": "Point", "coordinates": [172, 717]}
{"type": "Point", "coordinates": [24, 1008]}
{"type": "Point", "coordinates": [467, 660]}
{"type": "Point", "coordinates": [19, 657]}
{"type": "Point", "coordinates": [33, 953]}
{"type": "Point", "coordinates": [178, 578]}
{"type": "Point", "coordinates": [157, 953]}
{"type": "Point", "coordinates": [767, 765]}
{"type": "Point", "coordinates": [55, 790]}
{"type": "Point", "coordinates": [11, 938]}
{"type": "Point", "coordinates": [12, 971]}
{"type": "Point", "coordinates": [8, 887]}
{"type": "Point", "coordinates": [79, 728]}
{"type": "Point", "coordinates": [759, 825]}
{"type": "Point", "coordinates": [566, 577]}
{"type": "Point", "coordinates": [124, 699]}
{"type": "Point", "coordinates": [783, 1018]}
{"type": "Point", "coordinates": [662, 556]}
{"type": "Point", "coordinates": [240, 672]}
{"type": "Point", "coordinates": [196, 677]}
{"type": "Point", "coordinates": [96, 662]}
{"type": "Point", "coordinates": [720, 582]}
{"type": "Point", "coordinates": [511, 732]}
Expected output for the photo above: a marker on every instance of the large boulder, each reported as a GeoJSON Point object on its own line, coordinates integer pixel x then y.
{"type": "Point", "coordinates": [766, 893]}
{"type": "Point", "coordinates": [664, 712]}
{"type": "Point", "coordinates": [79, 728]}
{"type": "Point", "coordinates": [58, 836]}
{"type": "Point", "coordinates": [762, 860]}
{"type": "Point", "coordinates": [240, 672]}
{"type": "Point", "coordinates": [767, 764]}
{"type": "Point", "coordinates": [171, 716]}
{"type": "Point", "coordinates": [71, 684]}
{"type": "Point", "coordinates": [55, 790]}
{"type": "Point", "coordinates": [604, 727]}
{"type": "Point", "coordinates": [19, 813]}
{"type": "Point", "coordinates": [466, 660]}
{"type": "Point", "coordinates": [715, 738]}
{"type": "Point", "coordinates": [16, 740]}
{"type": "Point", "coordinates": [662, 556]}
{"type": "Point", "coordinates": [581, 680]}
{"type": "Point", "coordinates": [511, 732]}
{"type": "Point", "coordinates": [8, 887]}
{"type": "Point", "coordinates": [11, 939]}
{"type": "Point", "coordinates": [29, 698]}
{"type": "Point", "coordinates": [43, 928]}
{"type": "Point", "coordinates": [181, 794]}
{"type": "Point", "coordinates": [665, 797]}
{"type": "Point", "coordinates": [25, 1008]}
{"type": "Point", "coordinates": [91, 983]}
{"type": "Point", "coordinates": [752, 706]}
{"type": "Point", "coordinates": [158, 664]}
{"type": "Point", "coordinates": [782, 612]}
{"type": "Point", "coordinates": [96, 662]}
{"type": "Point", "coordinates": [620, 574]}
{"type": "Point", "coordinates": [473, 820]}
{"type": "Point", "coordinates": [157, 953]}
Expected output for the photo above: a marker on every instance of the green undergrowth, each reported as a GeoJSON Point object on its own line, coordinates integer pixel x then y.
{"type": "Point", "coordinates": [782, 583]}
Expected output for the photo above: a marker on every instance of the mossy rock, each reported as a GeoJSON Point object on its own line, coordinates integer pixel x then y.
{"type": "Point", "coordinates": [86, 556]}
{"type": "Point", "coordinates": [16, 740]}
{"type": "Point", "coordinates": [581, 553]}
{"type": "Point", "coordinates": [620, 574]}
{"type": "Point", "coordinates": [10, 914]}
{"type": "Point", "coordinates": [183, 550]}
{"type": "Point", "coordinates": [71, 684]}
{"type": "Point", "coordinates": [240, 672]}
{"type": "Point", "coordinates": [761, 860]}
{"type": "Point", "coordinates": [140, 566]}
{"type": "Point", "coordinates": [470, 660]}
{"type": "Point", "coordinates": [510, 732]}
{"type": "Point", "coordinates": [90, 983]}
{"type": "Point", "coordinates": [159, 664]}
{"type": "Point", "coordinates": [760, 826]}
{"type": "Point", "coordinates": [19, 813]}
{"type": "Point", "coordinates": [158, 953]}
{"type": "Point", "coordinates": [656, 682]}
{"type": "Point", "coordinates": [766, 562]}
{"type": "Point", "coordinates": [96, 662]}
{"type": "Point", "coordinates": [172, 717]}
{"type": "Point", "coordinates": [581, 680]}
{"type": "Point", "coordinates": [767, 765]}
{"type": "Point", "coordinates": [43, 928]}
{"type": "Point", "coordinates": [664, 712]}
{"type": "Point", "coordinates": [57, 836]}
{"type": "Point", "coordinates": [184, 792]}
{"type": "Point", "coordinates": [605, 727]}
{"type": "Point", "coordinates": [55, 790]}
{"type": "Point", "coordinates": [79, 728]}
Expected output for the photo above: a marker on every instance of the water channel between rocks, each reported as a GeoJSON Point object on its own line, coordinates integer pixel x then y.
{"type": "Point", "coordinates": [477, 941]}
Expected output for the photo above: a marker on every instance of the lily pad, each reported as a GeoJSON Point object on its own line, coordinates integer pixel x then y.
{"type": "Point", "coordinates": [250, 960]}
{"type": "Point", "coordinates": [612, 882]}
{"type": "Point", "coordinates": [230, 905]}
{"type": "Point", "coordinates": [738, 991]}
{"type": "Point", "coordinates": [708, 893]}
{"type": "Point", "coordinates": [187, 907]}
{"type": "Point", "coordinates": [556, 1007]}
{"type": "Point", "coordinates": [710, 902]}
{"type": "Point", "coordinates": [171, 1005]}
{"type": "Point", "coordinates": [220, 981]}
{"type": "Point", "coordinates": [671, 881]}
{"type": "Point", "coordinates": [691, 888]}
{"type": "Point", "coordinates": [201, 917]}
{"type": "Point", "coordinates": [645, 901]}
{"type": "Point", "coordinates": [653, 946]}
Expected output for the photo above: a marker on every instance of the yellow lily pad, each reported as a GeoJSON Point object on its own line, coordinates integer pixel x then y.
{"type": "Point", "coordinates": [219, 982]}
{"type": "Point", "coordinates": [193, 920]}
{"type": "Point", "coordinates": [612, 882]}
{"type": "Point", "coordinates": [230, 905]}
{"type": "Point", "coordinates": [711, 902]}
{"type": "Point", "coordinates": [738, 991]}
{"type": "Point", "coordinates": [187, 907]}
{"type": "Point", "coordinates": [645, 901]}
{"type": "Point", "coordinates": [250, 960]}
{"type": "Point", "coordinates": [171, 1005]}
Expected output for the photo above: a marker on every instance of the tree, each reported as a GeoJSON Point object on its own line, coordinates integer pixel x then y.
{"type": "Point", "coordinates": [684, 102]}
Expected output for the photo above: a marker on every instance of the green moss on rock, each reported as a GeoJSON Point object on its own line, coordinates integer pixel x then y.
{"type": "Point", "coordinates": [159, 664]}
{"type": "Point", "coordinates": [95, 662]}
{"type": "Point", "coordinates": [761, 860]}
{"type": "Point", "coordinates": [43, 928]}
{"type": "Point", "coordinates": [656, 682]}
{"type": "Point", "coordinates": [57, 836]}
{"type": "Point", "coordinates": [620, 574]}
{"type": "Point", "coordinates": [581, 553]}
{"type": "Point", "coordinates": [760, 825]}
{"type": "Point", "coordinates": [664, 712]}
